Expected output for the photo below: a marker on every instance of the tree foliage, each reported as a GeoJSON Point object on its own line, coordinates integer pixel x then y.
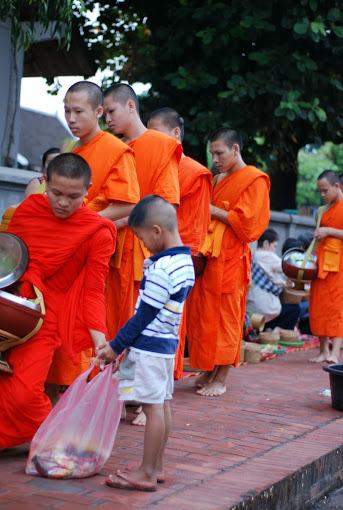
{"type": "Point", "coordinates": [23, 14]}
{"type": "Point", "coordinates": [271, 69]}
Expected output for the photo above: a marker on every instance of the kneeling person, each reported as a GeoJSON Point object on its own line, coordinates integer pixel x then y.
{"type": "Point", "coordinates": [151, 335]}
{"type": "Point", "coordinates": [69, 250]}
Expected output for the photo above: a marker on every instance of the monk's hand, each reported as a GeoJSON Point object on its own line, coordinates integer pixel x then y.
{"type": "Point", "coordinates": [321, 232]}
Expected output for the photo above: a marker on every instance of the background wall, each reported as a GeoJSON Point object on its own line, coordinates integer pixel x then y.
{"type": "Point", "coordinates": [13, 183]}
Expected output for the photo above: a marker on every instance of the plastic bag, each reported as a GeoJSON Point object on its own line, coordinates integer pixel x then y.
{"type": "Point", "coordinates": [77, 437]}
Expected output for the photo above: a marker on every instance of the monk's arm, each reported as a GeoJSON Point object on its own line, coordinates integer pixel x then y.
{"type": "Point", "coordinates": [322, 232]}
{"type": "Point", "coordinates": [219, 214]}
{"type": "Point", "coordinates": [250, 216]}
{"type": "Point", "coordinates": [117, 211]}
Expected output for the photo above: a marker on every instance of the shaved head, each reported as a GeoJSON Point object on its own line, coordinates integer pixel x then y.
{"type": "Point", "coordinates": [170, 118]}
{"type": "Point", "coordinates": [228, 136]}
{"type": "Point", "coordinates": [94, 92]}
{"type": "Point", "coordinates": [331, 176]}
{"type": "Point", "coordinates": [122, 93]}
{"type": "Point", "coordinates": [153, 210]}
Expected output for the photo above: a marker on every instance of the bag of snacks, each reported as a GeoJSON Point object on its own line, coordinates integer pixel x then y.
{"type": "Point", "coordinates": [77, 437]}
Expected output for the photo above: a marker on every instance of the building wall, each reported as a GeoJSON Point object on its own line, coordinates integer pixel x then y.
{"type": "Point", "coordinates": [11, 65]}
{"type": "Point", "coordinates": [12, 185]}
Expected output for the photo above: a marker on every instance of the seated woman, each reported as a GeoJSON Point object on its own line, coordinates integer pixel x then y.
{"type": "Point", "coordinates": [38, 184]}
{"type": "Point", "coordinates": [266, 299]}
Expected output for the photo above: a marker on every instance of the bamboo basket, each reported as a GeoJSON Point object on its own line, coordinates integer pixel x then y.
{"type": "Point", "coordinates": [269, 337]}
{"type": "Point", "coordinates": [252, 353]}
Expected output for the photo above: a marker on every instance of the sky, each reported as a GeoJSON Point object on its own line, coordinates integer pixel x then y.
{"type": "Point", "coordinates": [34, 95]}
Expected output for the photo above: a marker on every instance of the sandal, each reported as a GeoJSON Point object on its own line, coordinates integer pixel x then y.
{"type": "Point", "coordinates": [123, 481]}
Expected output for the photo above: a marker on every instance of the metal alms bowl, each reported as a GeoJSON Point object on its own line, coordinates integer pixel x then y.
{"type": "Point", "coordinates": [13, 259]}
{"type": "Point", "coordinates": [291, 266]}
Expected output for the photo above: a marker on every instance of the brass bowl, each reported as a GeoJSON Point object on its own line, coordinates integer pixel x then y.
{"type": "Point", "coordinates": [18, 316]}
{"type": "Point", "coordinates": [291, 265]}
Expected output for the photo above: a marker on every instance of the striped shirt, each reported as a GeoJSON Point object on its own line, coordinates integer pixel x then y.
{"type": "Point", "coordinates": [168, 279]}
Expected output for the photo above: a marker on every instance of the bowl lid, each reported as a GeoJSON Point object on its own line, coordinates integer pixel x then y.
{"type": "Point", "coordinates": [13, 259]}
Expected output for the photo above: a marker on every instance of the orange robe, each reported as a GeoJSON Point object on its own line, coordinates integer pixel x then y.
{"type": "Point", "coordinates": [6, 218]}
{"type": "Point", "coordinates": [157, 158]}
{"type": "Point", "coordinates": [218, 299]}
{"type": "Point", "coordinates": [193, 220]}
{"type": "Point", "coordinates": [69, 264]}
{"type": "Point", "coordinates": [326, 296]}
{"type": "Point", "coordinates": [113, 180]}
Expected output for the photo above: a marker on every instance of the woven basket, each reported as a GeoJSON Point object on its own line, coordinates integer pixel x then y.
{"type": "Point", "coordinates": [268, 337]}
{"type": "Point", "coordinates": [252, 353]}
{"type": "Point", "coordinates": [288, 334]}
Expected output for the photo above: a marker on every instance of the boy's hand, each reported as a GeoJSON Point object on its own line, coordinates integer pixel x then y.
{"type": "Point", "coordinates": [105, 353]}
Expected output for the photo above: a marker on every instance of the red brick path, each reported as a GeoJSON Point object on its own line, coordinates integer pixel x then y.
{"type": "Point", "coordinates": [272, 422]}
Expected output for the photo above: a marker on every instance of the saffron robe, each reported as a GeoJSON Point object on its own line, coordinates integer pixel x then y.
{"type": "Point", "coordinates": [326, 296]}
{"type": "Point", "coordinates": [68, 263]}
{"type": "Point", "coordinates": [193, 220]}
{"type": "Point", "coordinates": [195, 197]}
{"type": "Point", "coordinates": [157, 158]}
{"type": "Point", "coordinates": [218, 299]}
{"type": "Point", "coordinates": [114, 179]}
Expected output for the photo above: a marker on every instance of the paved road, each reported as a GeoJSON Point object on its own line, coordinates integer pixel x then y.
{"type": "Point", "coordinates": [332, 501]}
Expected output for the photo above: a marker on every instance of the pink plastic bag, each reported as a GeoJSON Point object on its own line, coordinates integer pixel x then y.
{"type": "Point", "coordinates": [77, 437]}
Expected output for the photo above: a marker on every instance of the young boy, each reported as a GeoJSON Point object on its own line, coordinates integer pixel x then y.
{"type": "Point", "coordinates": [150, 337]}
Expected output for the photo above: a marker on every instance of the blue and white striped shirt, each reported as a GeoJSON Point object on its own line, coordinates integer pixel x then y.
{"type": "Point", "coordinates": [168, 279]}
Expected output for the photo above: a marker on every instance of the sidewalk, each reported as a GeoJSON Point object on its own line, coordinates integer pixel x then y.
{"type": "Point", "coordinates": [273, 439]}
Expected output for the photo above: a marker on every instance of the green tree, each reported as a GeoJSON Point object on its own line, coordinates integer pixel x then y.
{"type": "Point", "coordinates": [272, 69]}
{"type": "Point", "coordinates": [23, 14]}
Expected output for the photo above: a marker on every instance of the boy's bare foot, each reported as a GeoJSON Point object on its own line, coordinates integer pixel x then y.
{"type": "Point", "coordinates": [140, 420]}
{"type": "Point", "coordinates": [320, 358]}
{"type": "Point", "coordinates": [203, 379]}
{"type": "Point", "coordinates": [213, 389]}
{"type": "Point", "coordinates": [134, 480]}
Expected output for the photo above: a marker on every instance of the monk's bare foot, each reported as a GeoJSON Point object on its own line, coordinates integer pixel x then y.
{"type": "Point", "coordinates": [138, 410]}
{"type": "Point", "coordinates": [323, 356]}
{"type": "Point", "coordinates": [332, 358]}
{"type": "Point", "coordinates": [203, 379]}
{"type": "Point", "coordinates": [213, 389]}
{"type": "Point", "coordinates": [140, 420]}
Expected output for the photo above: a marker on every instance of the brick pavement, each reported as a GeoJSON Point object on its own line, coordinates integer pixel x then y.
{"type": "Point", "coordinates": [270, 426]}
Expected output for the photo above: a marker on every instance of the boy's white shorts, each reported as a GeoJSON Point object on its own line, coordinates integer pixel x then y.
{"type": "Point", "coordinates": [146, 378]}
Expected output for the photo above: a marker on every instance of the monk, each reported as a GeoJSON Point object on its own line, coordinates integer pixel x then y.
{"type": "Point", "coordinates": [157, 155]}
{"type": "Point", "coordinates": [326, 295]}
{"type": "Point", "coordinates": [195, 195]}
{"type": "Point", "coordinates": [157, 158]}
{"type": "Point", "coordinates": [68, 264]}
{"type": "Point", "coordinates": [113, 193]}
{"type": "Point", "coordinates": [240, 214]}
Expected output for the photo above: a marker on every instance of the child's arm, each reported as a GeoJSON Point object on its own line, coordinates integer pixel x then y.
{"type": "Point", "coordinates": [127, 335]}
